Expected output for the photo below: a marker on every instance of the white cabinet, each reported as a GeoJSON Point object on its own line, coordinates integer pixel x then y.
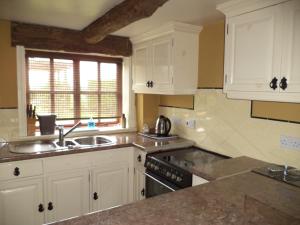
{"type": "Point", "coordinates": [139, 174]}
{"type": "Point", "coordinates": [109, 185]}
{"type": "Point", "coordinates": [262, 45]}
{"type": "Point", "coordinates": [165, 60]}
{"type": "Point", "coordinates": [21, 202]}
{"type": "Point", "coordinates": [67, 194]}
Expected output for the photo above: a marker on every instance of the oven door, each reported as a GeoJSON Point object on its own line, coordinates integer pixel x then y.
{"type": "Point", "coordinates": [156, 185]}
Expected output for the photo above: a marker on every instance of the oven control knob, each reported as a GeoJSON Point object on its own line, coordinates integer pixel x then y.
{"type": "Point", "coordinates": [173, 177]}
{"type": "Point", "coordinates": [152, 165]}
{"type": "Point", "coordinates": [156, 167]}
{"type": "Point", "coordinates": [178, 179]}
{"type": "Point", "coordinates": [168, 174]}
{"type": "Point", "coordinates": [148, 164]}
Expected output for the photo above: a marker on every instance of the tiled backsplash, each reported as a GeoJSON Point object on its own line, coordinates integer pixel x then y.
{"type": "Point", "coordinates": [9, 125]}
{"type": "Point", "coordinates": [225, 126]}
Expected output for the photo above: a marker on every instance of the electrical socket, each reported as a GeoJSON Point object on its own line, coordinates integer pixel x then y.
{"type": "Point", "coordinates": [191, 123]}
{"type": "Point", "coordinates": [288, 142]}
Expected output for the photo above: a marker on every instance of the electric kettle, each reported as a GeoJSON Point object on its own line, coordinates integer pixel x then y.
{"type": "Point", "coordinates": [163, 126]}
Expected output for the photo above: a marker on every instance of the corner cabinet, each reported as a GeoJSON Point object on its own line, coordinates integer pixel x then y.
{"type": "Point", "coordinates": [262, 50]}
{"type": "Point", "coordinates": [165, 60]}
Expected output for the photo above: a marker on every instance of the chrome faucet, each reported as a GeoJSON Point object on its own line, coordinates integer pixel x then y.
{"type": "Point", "coordinates": [61, 135]}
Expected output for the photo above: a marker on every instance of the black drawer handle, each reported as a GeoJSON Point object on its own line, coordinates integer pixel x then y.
{"type": "Point", "coordinates": [143, 192]}
{"type": "Point", "coordinates": [95, 197]}
{"type": "Point", "coordinates": [50, 206]}
{"type": "Point", "coordinates": [41, 208]}
{"type": "Point", "coordinates": [148, 84]}
{"type": "Point", "coordinates": [139, 158]}
{"type": "Point", "coordinates": [151, 84]}
{"type": "Point", "coordinates": [17, 171]}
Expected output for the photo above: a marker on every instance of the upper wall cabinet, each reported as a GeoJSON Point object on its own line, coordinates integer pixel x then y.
{"type": "Point", "coordinates": [262, 50]}
{"type": "Point", "coordinates": [165, 61]}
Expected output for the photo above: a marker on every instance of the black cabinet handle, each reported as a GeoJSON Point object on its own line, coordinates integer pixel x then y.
{"type": "Point", "coordinates": [151, 84]}
{"type": "Point", "coordinates": [50, 206]}
{"type": "Point", "coordinates": [283, 83]}
{"type": "Point", "coordinates": [273, 83]}
{"type": "Point", "coordinates": [41, 208]}
{"type": "Point", "coordinates": [139, 158]}
{"type": "Point", "coordinates": [148, 84]}
{"type": "Point", "coordinates": [143, 192]}
{"type": "Point", "coordinates": [95, 196]}
{"type": "Point", "coordinates": [17, 171]}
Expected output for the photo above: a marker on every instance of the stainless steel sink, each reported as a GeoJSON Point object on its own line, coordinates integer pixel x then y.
{"type": "Point", "coordinates": [92, 141]}
{"type": "Point", "coordinates": [32, 147]}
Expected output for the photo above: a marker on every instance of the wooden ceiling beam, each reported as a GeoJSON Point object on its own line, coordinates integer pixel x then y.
{"type": "Point", "coordinates": [60, 39]}
{"type": "Point", "coordinates": [120, 16]}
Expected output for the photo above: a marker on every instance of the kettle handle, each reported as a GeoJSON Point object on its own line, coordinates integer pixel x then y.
{"type": "Point", "coordinates": [169, 126]}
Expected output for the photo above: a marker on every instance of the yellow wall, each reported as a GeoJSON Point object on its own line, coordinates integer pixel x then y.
{"type": "Point", "coordinates": [8, 68]}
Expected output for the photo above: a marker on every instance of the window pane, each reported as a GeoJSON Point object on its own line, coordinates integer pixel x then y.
{"type": "Point", "coordinates": [63, 75]}
{"type": "Point", "coordinates": [39, 74]}
{"type": "Point", "coordinates": [109, 105]}
{"type": "Point", "coordinates": [88, 105]}
{"type": "Point", "coordinates": [108, 73]}
{"type": "Point", "coordinates": [88, 76]}
{"type": "Point", "coordinates": [42, 103]}
{"type": "Point", "coordinates": [64, 105]}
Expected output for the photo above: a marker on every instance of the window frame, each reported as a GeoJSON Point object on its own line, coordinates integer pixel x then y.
{"type": "Point", "coordinates": [76, 71]}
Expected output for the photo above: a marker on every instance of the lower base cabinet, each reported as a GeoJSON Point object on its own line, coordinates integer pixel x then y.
{"type": "Point", "coordinates": [21, 202]}
{"type": "Point", "coordinates": [109, 186]}
{"type": "Point", "coordinates": [139, 186]}
{"type": "Point", "coordinates": [70, 185]}
{"type": "Point", "coordinates": [67, 195]}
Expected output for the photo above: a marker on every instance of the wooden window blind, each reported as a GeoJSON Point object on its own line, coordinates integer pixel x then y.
{"type": "Point", "coordinates": [75, 87]}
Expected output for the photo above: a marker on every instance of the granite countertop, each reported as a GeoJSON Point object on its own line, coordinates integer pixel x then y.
{"type": "Point", "coordinates": [243, 199]}
{"type": "Point", "coordinates": [119, 141]}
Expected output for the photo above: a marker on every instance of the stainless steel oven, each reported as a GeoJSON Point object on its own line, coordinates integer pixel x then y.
{"type": "Point", "coordinates": [156, 185]}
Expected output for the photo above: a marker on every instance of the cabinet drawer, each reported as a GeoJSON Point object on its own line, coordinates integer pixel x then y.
{"type": "Point", "coordinates": [139, 159]}
{"type": "Point", "coordinates": [18, 169]}
{"type": "Point", "coordinates": [69, 162]}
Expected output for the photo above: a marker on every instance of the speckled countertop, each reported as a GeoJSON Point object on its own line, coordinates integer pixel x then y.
{"type": "Point", "coordinates": [244, 199]}
{"type": "Point", "coordinates": [118, 141]}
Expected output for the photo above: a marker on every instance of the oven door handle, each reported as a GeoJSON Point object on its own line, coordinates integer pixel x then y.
{"type": "Point", "coordinates": [158, 181]}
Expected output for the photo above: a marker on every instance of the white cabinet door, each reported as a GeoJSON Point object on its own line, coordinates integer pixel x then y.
{"type": "Point", "coordinates": [141, 66]}
{"type": "Point", "coordinates": [21, 202]}
{"type": "Point", "coordinates": [109, 185]}
{"type": "Point", "coordinates": [67, 194]}
{"type": "Point", "coordinates": [162, 62]}
{"type": "Point", "coordinates": [253, 50]}
{"type": "Point", "coordinates": [139, 185]}
{"type": "Point", "coordinates": [291, 47]}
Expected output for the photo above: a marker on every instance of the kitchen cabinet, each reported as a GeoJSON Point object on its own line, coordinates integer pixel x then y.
{"type": "Point", "coordinates": [21, 202]}
{"type": "Point", "coordinates": [262, 50]}
{"type": "Point", "coordinates": [165, 60]}
{"type": "Point", "coordinates": [139, 174]}
{"type": "Point", "coordinates": [67, 194]}
{"type": "Point", "coordinates": [44, 190]}
{"type": "Point", "coordinates": [109, 185]}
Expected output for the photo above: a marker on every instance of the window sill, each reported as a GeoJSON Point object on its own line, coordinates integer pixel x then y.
{"type": "Point", "coordinates": [79, 132]}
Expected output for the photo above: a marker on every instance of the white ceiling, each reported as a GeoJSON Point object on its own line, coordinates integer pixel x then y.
{"type": "Point", "coordinates": [77, 14]}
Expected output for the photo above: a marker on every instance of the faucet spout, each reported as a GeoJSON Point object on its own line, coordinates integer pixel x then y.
{"type": "Point", "coordinates": [61, 135]}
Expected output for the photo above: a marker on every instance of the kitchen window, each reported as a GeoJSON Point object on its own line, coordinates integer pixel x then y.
{"type": "Point", "coordinates": [75, 87]}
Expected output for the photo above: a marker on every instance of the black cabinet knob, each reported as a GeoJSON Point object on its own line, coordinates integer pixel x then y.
{"type": "Point", "coordinates": [143, 192]}
{"type": "Point", "coordinates": [273, 83]}
{"type": "Point", "coordinates": [151, 84]}
{"type": "Point", "coordinates": [148, 84]}
{"type": "Point", "coordinates": [17, 171]}
{"type": "Point", "coordinates": [139, 158]}
{"type": "Point", "coordinates": [50, 206]}
{"type": "Point", "coordinates": [95, 197]}
{"type": "Point", "coordinates": [283, 83]}
{"type": "Point", "coordinates": [41, 208]}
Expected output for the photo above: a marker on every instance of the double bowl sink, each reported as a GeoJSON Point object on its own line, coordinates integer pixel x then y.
{"type": "Point", "coordinates": [46, 145]}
